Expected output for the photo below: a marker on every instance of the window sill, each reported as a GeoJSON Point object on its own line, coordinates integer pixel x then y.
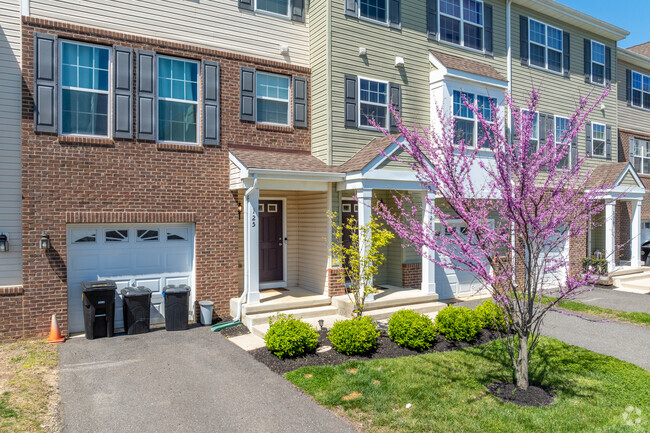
{"type": "Point", "coordinates": [460, 46]}
{"type": "Point", "coordinates": [103, 142]}
{"type": "Point", "coordinates": [275, 128]}
{"type": "Point", "coordinates": [550, 71]}
{"type": "Point", "coordinates": [189, 148]}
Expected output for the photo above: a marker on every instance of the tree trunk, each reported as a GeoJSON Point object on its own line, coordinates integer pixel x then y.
{"type": "Point", "coordinates": [521, 369]}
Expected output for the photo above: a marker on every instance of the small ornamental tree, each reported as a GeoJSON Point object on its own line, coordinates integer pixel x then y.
{"type": "Point", "coordinates": [527, 201]}
{"type": "Point", "coordinates": [360, 259]}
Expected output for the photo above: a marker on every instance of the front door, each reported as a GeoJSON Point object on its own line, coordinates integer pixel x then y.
{"type": "Point", "coordinates": [271, 241]}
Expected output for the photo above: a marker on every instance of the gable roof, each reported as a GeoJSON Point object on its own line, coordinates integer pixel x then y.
{"type": "Point", "coordinates": [611, 175]}
{"type": "Point", "coordinates": [285, 160]}
{"type": "Point", "coordinates": [643, 49]}
{"type": "Point", "coordinates": [367, 153]}
{"type": "Point", "coordinates": [463, 64]}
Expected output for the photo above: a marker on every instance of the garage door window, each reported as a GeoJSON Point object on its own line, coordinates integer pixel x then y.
{"type": "Point", "coordinates": [148, 235]}
{"type": "Point", "coordinates": [177, 234]}
{"type": "Point", "coordinates": [116, 236]}
{"type": "Point", "coordinates": [83, 235]}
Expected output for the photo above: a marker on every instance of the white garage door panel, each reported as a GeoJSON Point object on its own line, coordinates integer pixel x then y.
{"type": "Point", "coordinates": [152, 264]}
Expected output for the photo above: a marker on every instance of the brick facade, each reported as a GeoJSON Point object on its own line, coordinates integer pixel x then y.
{"type": "Point", "coordinates": [335, 285]}
{"type": "Point", "coordinates": [624, 156]}
{"type": "Point", "coordinates": [68, 180]}
{"type": "Point", "coordinates": [412, 275]}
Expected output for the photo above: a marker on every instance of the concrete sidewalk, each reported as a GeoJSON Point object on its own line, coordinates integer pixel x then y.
{"type": "Point", "coordinates": [184, 381]}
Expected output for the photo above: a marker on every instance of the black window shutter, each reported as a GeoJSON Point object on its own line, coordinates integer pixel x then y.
{"type": "Point", "coordinates": [211, 109]}
{"type": "Point", "coordinates": [45, 83]}
{"type": "Point", "coordinates": [350, 101]}
{"type": "Point", "coordinates": [395, 13]}
{"type": "Point", "coordinates": [247, 95]}
{"type": "Point", "coordinates": [123, 99]}
{"type": "Point", "coordinates": [574, 151]}
{"type": "Point", "coordinates": [146, 114]}
{"type": "Point", "coordinates": [588, 140]}
{"type": "Point", "coordinates": [608, 65]}
{"type": "Point", "coordinates": [299, 102]}
{"type": "Point", "coordinates": [432, 19]}
{"type": "Point", "coordinates": [395, 95]}
{"type": "Point", "coordinates": [246, 4]}
{"type": "Point", "coordinates": [587, 60]}
{"type": "Point", "coordinates": [351, 7]}
{"type": "Point", "coordinates": [628, 86]}
{"type": "Point", "coordinates": [608, 142]}
{"type": "Point", "coordinates": [487, 28]}
{"type": "Point", "coordinates": [566, 54]}
{"type": "Point", "coordinates": [298, 10]}
{"type": "Point", "coordinates": [543, 132]}
{"type": "Point", "coordinates": [523, 39]}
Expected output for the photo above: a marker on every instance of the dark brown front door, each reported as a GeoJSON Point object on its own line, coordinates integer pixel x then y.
{"type": "Point", "coordinates": [271, 241]}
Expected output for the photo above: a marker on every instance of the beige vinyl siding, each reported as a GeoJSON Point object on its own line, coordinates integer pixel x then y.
{"type": "Point", "coordinates": [312, 244]}
{"type": "Point", "coordinates": [632, 118]}
{"type": "Point", "coordinates": [319, 45]}
{"type": "Point", "coordinates": [559, 95]}
{"type": "Point", "coordinates": [235, 180]}
{"type": "Point", "coordinates": [598, 233]}
{"type": "Point", "coordinates": [409, 253]}
{"type": "Point", "coordinates": [217, 24]}
{"type": "Point", "coordinates": [10, 142]}
{"type": "Point", "coordinates": [629, 181]}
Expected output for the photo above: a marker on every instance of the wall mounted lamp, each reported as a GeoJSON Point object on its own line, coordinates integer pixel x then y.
{"type": "Point", "coordinates": [239, 209]}
{"type": "Point", "coordinates": [45, 243]}
{"type": "Point", "coordinates": [4, 243]}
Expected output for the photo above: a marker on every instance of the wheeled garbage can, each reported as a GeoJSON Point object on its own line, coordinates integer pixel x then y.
{"type": "Point", "coordinates": [136, 302]}
{"type": "Point", "coordinates": [177, 307]}
{"type": "Point", "coordinates": [99, 308]}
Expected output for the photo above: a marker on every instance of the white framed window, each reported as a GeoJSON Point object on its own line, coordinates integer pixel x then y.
{"type": "Point", "coordinates": [641, 156]}
{"type": "Point", "coordinates": [275, 7]}
{"type": "Point", "coordinates": [376, 10]}
{"type": "Point", "coordinates": [561, 127]}
{"type": "Point", "coordinates": [534, 137]}
{"type": "Point", "coordinates": [84, 101]}
{"type": "Point", "coordinates": [461, 22]}
{"type": "Point", "coordinates": [640, 90]}
{"type": "Point", "coordinates": [466, 125]}
{"type": "Point", "coordinates": [373, 102]}
{"type": "Point", "coordinates": [178, 100]}
{"type": "Point", "coordinates": [597, 63]}
{"type": "Point", "coordinates": [598, 139]}
{"type": "Point", "coordinates": [545, 45]}
{"type": "Point", "coordinates": [272, 94]}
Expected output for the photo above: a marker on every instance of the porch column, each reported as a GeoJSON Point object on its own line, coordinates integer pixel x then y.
{"type": "Point", "coordinates": [635, 233]}
{"type": "Point", "coordinates": [364, 198]}
{"type": "Point", "coordinates": [428, 267]}
{"type": "Point", "coordinates": [610, 235]}
{"type": "Point", "coordinates": [252, 247]}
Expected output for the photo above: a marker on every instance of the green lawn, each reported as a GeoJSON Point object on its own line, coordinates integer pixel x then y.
{"type": "Point", "coordinates": [605, 313]}
{"type": "Point", "coordinates": [448, 392]}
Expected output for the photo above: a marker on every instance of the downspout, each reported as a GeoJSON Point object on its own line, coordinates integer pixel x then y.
{"type": "Point", "coordinates": [246, 249]}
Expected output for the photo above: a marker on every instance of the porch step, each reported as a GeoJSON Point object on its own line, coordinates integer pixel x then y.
{"type": "Point", "coordinates": [261, 329]}
{"type": "Point", "coordinates": [424, 308]}
{"type": "Point", "coordinates": [631, 278]}
{"type": "Point", "coordinates": [629, 271]}
{"type": "Point", "coordinates": [280, 305]}
{"type": "Point", "coordinates": [398, 299]}
{"type": "Point", "coordinates": [302, 313]}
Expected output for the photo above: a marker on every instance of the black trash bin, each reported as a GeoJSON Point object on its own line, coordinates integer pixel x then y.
{"type": "Point", "coordinates": [177, 306]}
{"type": "Point", "coordinates": [99, 308]}
{"type": "Point", "coordinates": [645, 249]}
{"type": "Point", "coordinates": [136, 303]}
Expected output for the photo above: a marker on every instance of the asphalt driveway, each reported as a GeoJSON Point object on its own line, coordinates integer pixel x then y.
{"type": "Point", "coordinates": [184, 381]}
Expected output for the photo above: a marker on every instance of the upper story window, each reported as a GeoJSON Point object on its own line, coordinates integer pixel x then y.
{"type": "Point", "coordinates": [84, 102]}
{"type": "Point", "coordinates": [597, 62]}
{"type": "Point", "coordinates": [461, 22]}
{"type": "Point", "coordinates": [278, 7]}
{"type": "Point", "coordinates": [545, 46]}
{"type": "Point", "coordinates": [561, 129]}
{"type": "Point", "coordinates": [640, 156]}
{"type": "Point", "coordinates": [466, 126]}
{"type": "Point", "coordinates": [640, 90]}
{"type": "Point", "coordinates": [373, 102]}
{"type": "Point", "coordinates": [177, 100]}
{"type": "Point", "coordinates": [273, 98]}
{"type": "Point", "coordinates": [598, 139]}
{"type": "Point", "coordinates": [374, 9]}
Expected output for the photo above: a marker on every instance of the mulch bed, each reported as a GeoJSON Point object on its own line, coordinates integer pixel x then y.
{"type": "Point", "coordinates": [533, 396]}
{"type": "Point", "coordinates": [386, 349]}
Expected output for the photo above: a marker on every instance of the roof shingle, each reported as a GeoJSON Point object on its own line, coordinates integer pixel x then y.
{"type": "Point", "coordinates": [273, 159]}
{"type": "Point", "coordinates": [643, 49]}
{"type": "Point", "coordinates": [467, 65]}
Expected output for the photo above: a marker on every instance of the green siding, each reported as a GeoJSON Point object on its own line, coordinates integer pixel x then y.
{"type": "Point", "coordinates": [632, 118]}
{"type": "Point", "coordinates": [319, 45]}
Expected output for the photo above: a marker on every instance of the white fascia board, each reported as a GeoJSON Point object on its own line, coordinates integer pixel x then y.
{"type": "Point", "coordinates": [633, 58]}
{"type": "Point", "coordinates": [308, 176]}
{"type": "Point", "coordinates": [389, 151]}
{"type": "Point", "coordinates": [444, 73]}
{"type": "Point", "coordinates": [381, 184]}
{"type": "Point", "coordinates": [24, 8]}
{"type": "Point", "coordinates": [629, 169]}
{"type": "Point", "coordinates": [243, 171]}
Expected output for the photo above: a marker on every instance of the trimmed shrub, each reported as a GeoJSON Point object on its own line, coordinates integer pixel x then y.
{"type": "Point", "coordinates": [458, 323]}
{"type": "Point", "coordinates": [412, 330]}
{"type": "Point", "coordinates": [491, 316]}
{"type": "Point", "coordinates": [354, 336]}
{"type": "Point", "coordinates": [288, 336]}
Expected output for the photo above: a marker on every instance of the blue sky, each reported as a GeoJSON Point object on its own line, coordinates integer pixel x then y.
{"type": "Point", "coordinates": [632, 15]}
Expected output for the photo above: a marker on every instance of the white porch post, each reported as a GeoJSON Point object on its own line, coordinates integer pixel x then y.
{"type": "Point", "coordinates": [252, 249]}
{"type": "Point", "coordinates": [610, 234]}
{"type": "Point", "coordinates": [635, 233]}
{"type": "Point", "coordinates": [364, 198]}
{"type": "Point", "coordinates": [428, 267]}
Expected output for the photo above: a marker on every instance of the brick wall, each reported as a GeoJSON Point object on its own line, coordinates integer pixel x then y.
{"type": "Point", "coordinates": [624, 156]}
{"type": "Point", "coordinates": [622, 224]}
{"type": "Point", "coordinates": [133, 181]}
{"type": "Point", "coordinates": [412, 275]}
{"type": "Point", "coordinates": [11, 313]}
{"type": "Point", "coordinates": [335, 285]}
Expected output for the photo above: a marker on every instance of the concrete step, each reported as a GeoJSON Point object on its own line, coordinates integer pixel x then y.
{"type": "Point", "coordinates": [424, 308]}
{"type": "Point", "coordinates": [261, 329]}
{"type": "Point", "coordinates": [291, 303]}
{"type": "Point", "coordinates": [628, 271]}
{"type": "Point", "coordinates": [631, 278]}
{"type": "Point", "coordinates": [406, 298]}
{"type": "Point", "coordinates": [302, 313]}
{"type": "Point", "coordinates": [636, 287]}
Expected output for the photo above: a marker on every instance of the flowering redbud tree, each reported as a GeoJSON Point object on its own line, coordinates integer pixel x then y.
{"type": "Point", "coordinates": [527, 201]}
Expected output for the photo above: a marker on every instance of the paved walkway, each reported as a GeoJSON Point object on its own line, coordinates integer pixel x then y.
{"type": "Point", "coordinates": [616, 300]}
{"type": "Point", "coordinates": [184, 381]}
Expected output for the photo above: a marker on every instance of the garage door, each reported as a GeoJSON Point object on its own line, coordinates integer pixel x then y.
{"type": "Point", "coordinates": [556, 278]}
{"type": "Point", "coordinates": [142, 255]}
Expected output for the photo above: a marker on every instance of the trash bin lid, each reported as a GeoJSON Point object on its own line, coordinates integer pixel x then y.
{"type": "Point", "coordinates": [127, 292]}
{"type": "Point", "coordinates": [90, 286]}
{"type": "Point", "coordinates": [206, 303]}
{"type": "Point", "coordinates": [182, 288]}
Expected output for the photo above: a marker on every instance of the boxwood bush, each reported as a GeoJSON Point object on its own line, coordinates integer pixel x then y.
{"type": "Point", "coordinates": [412, 330]}
{"type": "Point", "coordinates": [354, 336]}
{"type": "Point", "coordinates": [491, 316]}
{"type": "Point", "coordinates": [458, 323]}
{"type": "Point", "coordinates": [288, 336]}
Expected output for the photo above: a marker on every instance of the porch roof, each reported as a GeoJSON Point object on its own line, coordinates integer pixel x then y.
{"type": "Point", "coordinates": [620, 178]}
{"type": "Point", "coordinates": [367, 154]}
{"type": "Point", "coordinates": [462, 64]}
{"type": "Point", "coordinates": [284, 160]}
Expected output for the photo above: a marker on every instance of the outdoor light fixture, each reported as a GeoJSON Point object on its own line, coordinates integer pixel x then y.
{"type": "Point", "coordinates": [239, 209]}
{"type": "Point", "coordinates": [321, 322]}
{"type": "Point", "coordinates": [45, 242]}
{"type": "Point", "coordinates": [4, 243]}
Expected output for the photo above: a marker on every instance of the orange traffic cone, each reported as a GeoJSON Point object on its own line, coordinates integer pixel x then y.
{"type": "Point", "coordinates": [55, 333]}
